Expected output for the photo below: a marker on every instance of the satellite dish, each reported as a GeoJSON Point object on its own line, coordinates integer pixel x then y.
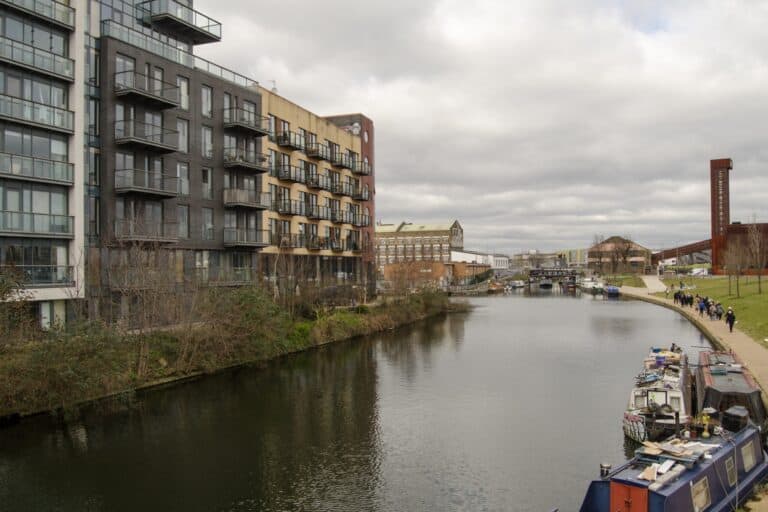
{"type": "Point", "coordinates": [356, 128]}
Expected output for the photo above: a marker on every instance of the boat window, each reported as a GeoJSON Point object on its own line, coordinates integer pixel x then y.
{"type": "Point", "coordinates": [700, 495]}
{"type": "Point", "coordinates": [730, 469]}
{"type": "Point", "coordinates": [748, 455]}
{"type": "Point", "coordinates": [639, 401]}
{"type": "Point", "coordinates": [675, 403]}
{"type": "Point", "coordinates": [657, 397]}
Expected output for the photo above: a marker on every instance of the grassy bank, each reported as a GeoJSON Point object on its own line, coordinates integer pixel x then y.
{"type": "Point", "coordinates": [625, 280]}
{"type": "Point", "coordinates": [751, 308]}
{"type": "Point", "coordinates": [236, 327]}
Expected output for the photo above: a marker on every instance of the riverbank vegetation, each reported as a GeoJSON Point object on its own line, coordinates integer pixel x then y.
{"type": "Point", "coordinates": [230, 327]}
{"type": "Point", "coordinates": [750, 306]}
{"type": "Point", "coordinates": [625, 280]}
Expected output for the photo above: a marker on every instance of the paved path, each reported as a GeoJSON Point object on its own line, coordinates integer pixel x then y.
{"type": "Point", "coordinates": [754, 355]}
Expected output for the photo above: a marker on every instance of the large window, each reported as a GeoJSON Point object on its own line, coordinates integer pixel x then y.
{"type": "Point", "coordinates": [206, 146]}
{"type": "Point", "coordinates": [207, 223]}
{"type": "Point", "coordinates": [182, 217]}
{"type": "Point", "coordinates": [18, 140]}
{"type": "Point", "coordinates": [32, 87]}
{"type": "Point", "coordinates": [182, 173]}
{"type": "Point", "coordinates": [182, 126]}
{"type": "Point", "coordinates": [206, 101]}
{"type": "Point", "coordinates": [183, 84]}
{"type": "Point", "coordinates": [207, 183]}
{"type": "Point", "coordinates": [34, 34]}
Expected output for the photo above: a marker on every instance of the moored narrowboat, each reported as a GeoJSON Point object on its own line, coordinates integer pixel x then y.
{"type": "Point", "coordinates": [713, 474]}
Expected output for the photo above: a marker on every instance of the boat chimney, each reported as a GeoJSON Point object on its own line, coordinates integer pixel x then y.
{"type": "Point", "coordinates": [677, 424]}
{"type": "Point", "coordinates": [605, 469]}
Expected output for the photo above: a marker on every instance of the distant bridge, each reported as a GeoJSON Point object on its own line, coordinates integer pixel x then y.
{"type": "Point", "coordinates": [553, 273]}
{"type": "Point", "coordinates": [682, 251]}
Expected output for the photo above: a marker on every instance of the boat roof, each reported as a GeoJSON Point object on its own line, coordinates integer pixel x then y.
{"type": "Point", "coordinates": [734, 379]}
{"type": "Point", "coordinates": [721, 446]}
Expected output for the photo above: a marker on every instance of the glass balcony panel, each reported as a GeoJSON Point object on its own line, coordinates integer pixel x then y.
{"type": "Point", "coordinates": [151, 134]}
{"type": "Point", "coordinates": [36, 168]}
{"type": "Point", "coordinates": [40, 60]}
{"type": "Point", "coordinates": [141, 180]}
{"type": "Point", "coordinates": [36, 224]}
{"type": "Point", "coordinates": [149, 87]}
{"type": "Point", "coordinates": [41, 275]}
{"type": "Point", "coordinates": [36, 113]}
{"type": "Point", "coordinates": [206, 29]}
{"type": "Point", "coordinates": [51, 10]}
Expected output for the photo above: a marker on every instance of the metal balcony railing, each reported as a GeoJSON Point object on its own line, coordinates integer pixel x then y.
{"type": "Point", "coordinates": [236, 117]}
{"type": "Point", "coordinates": [288, 240]}
{"type": "Point", "coordinates": [287, 172]}
{"type": "Point", "coordinates": [49, 10]}
{"type": "Point", "coordinates": [360, 194]}
{"type": "Point", "coordinates": [146, 230]}
{"type": "Point", "coordinates": [318, 212]}
{"type": "Point", "coordinates": [248, 198]}
{"type": "Point", "coordinates": [245, 237]}
{"type": "Point", "coordinates": [338, 158]}
{"type": "Point", "coordinates": [138, 180]}
{"type": "Point", "coordinates": [361, 220]}
{"type": "Point", "coordinates": [41, 275]}
{"type": "Point", "coordinates": [318, 181]}
{"type": "Point", "coordinates": [37, 114]}
{"type": "Point", "coordinates": [290, 207]}
{"type": "Point", "coordinates": [318, 150]}
{"type": "Point", "coordinates": [336, 245]}
{"type": "Point", "coordinates": [290, 139]}
{"type": "Point", "coordinates": [36, 224]}
{"type": "Point", "coordinates": [338, 216]}
{"type": "Point", "coordinates": [237, 157]}
{"type": "Point", "coordinates": [156, 92]}
{"type": "Point", "coordinates": [36, 59]}
{"type": "Point", "coordinates": [336, 187]}
{"type": "Point", "coordinates": [182, 19]}
{"type": "Point", "coordinates": [148, 135]}
{"type": "Point", "coordinates": [38, 169]}
{"type": "Point", "coordinates": [362, 168]}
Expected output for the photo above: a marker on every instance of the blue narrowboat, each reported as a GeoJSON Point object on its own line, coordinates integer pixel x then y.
{"type": "Point", "coordinates": [711, 474]}
{"type": "Point", "coordinates": [612, 291]}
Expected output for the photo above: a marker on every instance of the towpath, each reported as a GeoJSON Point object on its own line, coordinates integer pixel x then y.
{"type": "Point", "coordinates": [754, 355]}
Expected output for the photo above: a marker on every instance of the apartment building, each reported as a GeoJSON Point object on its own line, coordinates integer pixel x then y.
{"type": "Point", "coordinates": [42, 90]}
{"type": "Point", "coordinates": [320, 184]}
{"type": "Point", "coordinates": [128, 163]}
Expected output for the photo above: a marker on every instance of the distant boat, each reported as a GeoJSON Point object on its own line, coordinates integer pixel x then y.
{"type": "Point", "coordinates": [612, 291]}
{"type": "Point", "coordinates": [591, 285]}
{"type": "Point", "coordinates": [517, 283]}
{"type": "Point", "coordinates": [545, 284]}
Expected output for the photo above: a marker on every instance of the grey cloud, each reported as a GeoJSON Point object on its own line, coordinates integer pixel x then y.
{"type": "Point", "coordinates": [537, 123]}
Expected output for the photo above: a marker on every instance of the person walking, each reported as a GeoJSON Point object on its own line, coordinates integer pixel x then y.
{"type": "Point", "coordinates": [730, 318]}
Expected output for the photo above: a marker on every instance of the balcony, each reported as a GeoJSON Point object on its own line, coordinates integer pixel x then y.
{"type": "Point", "coordinates": [336, 187]}
{"type": "Point", "coordinates": [354, 245]}
{"type": "Point", "coordinates": [290, 207]}
{"type": "Point", "coordinates": [318, 182]}
{"type": "Point", "coordinates": [290, 139]}
{"type": "Point", "coordinates": [362, 168]}
{"type": "Point", "coordinates": [237, 158]}
{"type": "Point", "coordinates": [181, 21]}
{"type": "Point", "coordinates": [239, 276]}
{"type": "Point", "coordinates": [360, 194]}
{"type": "Point", "coordinates": [147, 183]}
{"type": "Point", "coordinates": [138, 135]}
{"type": "Point", "coordinates": [146, 231]}
{"type": "Point", "coordinates": [242, 237]}
{"type": "Point", "coordinates": [314, 243]}
{"type": "Point", "coordinates": [39, 225]}
{"type": "Point", "coordinates": [338, 158]}
{"type": "Point", "coordinates": [318, 212]}
{"type": "Point", "coordinates": [47, 10]}
{"type": "Point", "coordinates": [152, 92]}
{"type": "Point", "coordinates": [361, 221]}
{"type": "Point", "coordinates": [36, 169]}
{"type": "Point", "coordinates": [318, 150]}
{"type": "Point", "coordinates": [288, 240]}
{"type": "Point", "coordinates": [336, 245]}
{"type": "Point", "coordinates": [37, 276]}
{"type": "Point", "coordinates": [287, 172]}
{"type": "Point", "coordinates": [247, 121]}
{"type": "Point", "coordinates": [41, 61]}
{"type": "Point", "coordinates": [36, 114]}
{"type": "Point", "coordinates": [234, 197]}
{"type": "Point", "coordinates": [338, 216]}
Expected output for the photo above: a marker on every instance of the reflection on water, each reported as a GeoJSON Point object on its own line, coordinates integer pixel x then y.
{"type": "Point", "coordinates": [476, 411]}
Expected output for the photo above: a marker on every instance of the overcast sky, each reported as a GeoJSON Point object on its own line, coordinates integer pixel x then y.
{"type": "Point", "coordinates": [538, 124]}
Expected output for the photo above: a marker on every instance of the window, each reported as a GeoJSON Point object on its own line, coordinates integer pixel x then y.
{"type": "Point", "coordinates": [730, 470]}
{"type": "Point", "coordinates": [207, 223]}
{"type": "Point", "coordinates": [227, 107]}
{"type": "Point", "coordinates": [182, 173]}
{"type": "Point", "coordinates": [207, 181]}
{"type": "Point", "coordinates": [183, 84]}
{"type": "Point", "coordinates": [206, 145]}
{"type": "Point", "coordinates": [182, 126]}
{"type": "Point", "coordinates": [182, 217]}
{"type": "Point", "coordinates": [700, 495]}
{"type": "Point", "coordinates": [124, 67]}
{"type": "Point", "coordinates": [748, 455]}
{"type": "Point", "coordinates": [272, 123]}
{"type": "Point", "coordinates": [207, 101]}
{"type": "Point", "coordinates": [157, 81]}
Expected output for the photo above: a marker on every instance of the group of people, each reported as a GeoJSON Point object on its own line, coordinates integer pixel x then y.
{"type": "Point", "coordinates": [706, 306]}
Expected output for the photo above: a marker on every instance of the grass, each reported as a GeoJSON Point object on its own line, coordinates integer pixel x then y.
{"type": "Point", "coordinates": [751, 308]}
{"type": "Point", "coordinates": [625, 280]}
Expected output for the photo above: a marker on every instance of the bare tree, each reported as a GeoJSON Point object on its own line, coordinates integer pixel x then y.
{"type": "Point", "coordinates": [758, 251]}
{"type": "Point", "coordinates": [15, 321]}
{"type": "Point", "coordinates": [736, 258]}
{"type": "Point", "coordinates": [622, 250]}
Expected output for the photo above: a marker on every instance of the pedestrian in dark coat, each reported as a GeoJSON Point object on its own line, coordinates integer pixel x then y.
{"type": "Point", "coordinates": [730, 319]}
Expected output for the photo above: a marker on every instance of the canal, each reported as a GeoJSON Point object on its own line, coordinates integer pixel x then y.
{"type": "Point", "coordinates": [510, 407]}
